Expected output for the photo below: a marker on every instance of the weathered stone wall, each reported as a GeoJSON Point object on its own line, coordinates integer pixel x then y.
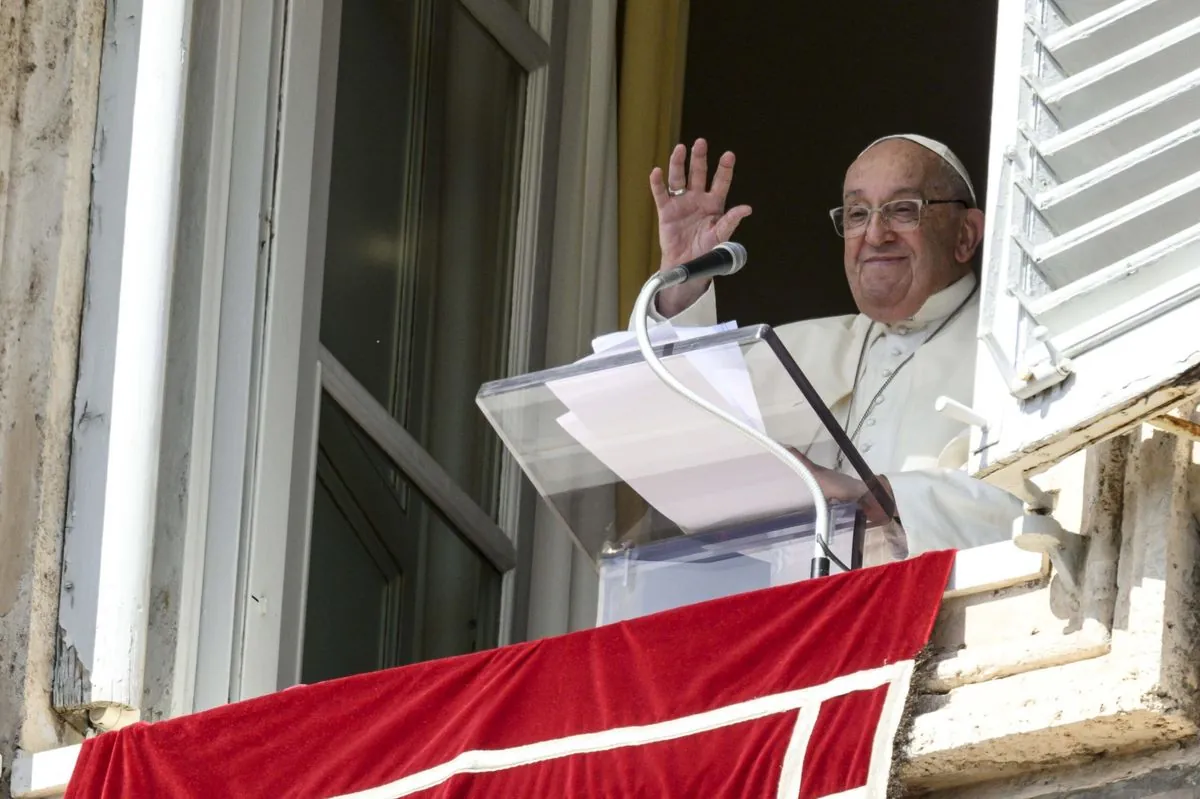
{"type": "Point", "coordinates": [49, 74]}
{"type": "Point", "coordinates": [1173, 773]}
{"type": "Point", "coordinates": [1120, 721]}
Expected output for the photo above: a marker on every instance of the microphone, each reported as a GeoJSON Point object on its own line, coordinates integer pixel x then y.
{"type": "Point", "coordinates": [724, 259]}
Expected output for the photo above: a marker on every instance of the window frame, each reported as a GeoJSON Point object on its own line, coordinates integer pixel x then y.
{"type": "Point", "coordinates": [261, 466]}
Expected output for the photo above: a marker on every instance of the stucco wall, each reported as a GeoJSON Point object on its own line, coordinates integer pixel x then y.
{"type": "Point", "coordinates": [1118, 720]}
{"type": "Point", "coordinates": [1173, 773]}
{"type": "Point", "coordinates": [49, 70]}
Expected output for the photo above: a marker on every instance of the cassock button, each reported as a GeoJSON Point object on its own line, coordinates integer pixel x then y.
{"type": "Point", "coordinates": [866, 447]}
{"type": "Point", "coordinates": [896, 351]}
{"type": "Point", "coordinates": [887, 372]}
{"type": "Point", "coordinates": [871, 421]}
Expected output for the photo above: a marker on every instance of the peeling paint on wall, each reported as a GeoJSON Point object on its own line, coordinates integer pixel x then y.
{"type": "Point", "coordinates": [49, 72]}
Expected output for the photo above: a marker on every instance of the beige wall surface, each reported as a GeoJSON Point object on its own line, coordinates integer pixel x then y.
{"type": "Point", "coordinates": [49, 75]}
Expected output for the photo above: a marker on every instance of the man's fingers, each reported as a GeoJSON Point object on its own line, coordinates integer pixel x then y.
{"type": "Point", "coordinates": [698, 176]}
{"type": "Point", "coordinates": [658, 187]}
{"type": "Point", "coordinates": [723, 177]}
{"type": "Point", "coordinates": [727, 224]}
{"type": "Point", "coordinates": [800, 456]}
{"type": "Point", "coordinates": [675, 175]}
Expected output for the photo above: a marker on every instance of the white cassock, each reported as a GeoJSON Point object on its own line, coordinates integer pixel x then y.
{"type": "Point", "coordinates": [922, 453]}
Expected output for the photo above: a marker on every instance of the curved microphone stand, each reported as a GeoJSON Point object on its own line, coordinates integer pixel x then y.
{"type": "Point", "coordinates": [641, 310]}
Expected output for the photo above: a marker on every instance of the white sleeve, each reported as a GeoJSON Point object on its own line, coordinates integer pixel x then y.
{"type": "Point", "coordinates": [701, 313]}
{"type": "Point", "coordinates": [948, 509]}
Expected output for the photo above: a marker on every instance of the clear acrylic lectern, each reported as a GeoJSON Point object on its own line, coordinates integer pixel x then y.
{"type": "Point", "coordinates": [670, 502]}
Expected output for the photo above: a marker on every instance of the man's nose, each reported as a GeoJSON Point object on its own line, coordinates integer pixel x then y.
{"type": "Point", "coordinates": [878, 231]}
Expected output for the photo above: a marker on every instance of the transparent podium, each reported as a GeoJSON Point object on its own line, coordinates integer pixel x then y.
{"type": "Point", "coordinates": [671, 503]}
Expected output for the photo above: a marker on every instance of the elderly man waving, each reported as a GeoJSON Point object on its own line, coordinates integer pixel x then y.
{"type": "Point", "coordinates": [911, 229]}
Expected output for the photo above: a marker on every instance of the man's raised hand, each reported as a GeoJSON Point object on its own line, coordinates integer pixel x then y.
{"type": "Point", "coordinates": [692, 219]}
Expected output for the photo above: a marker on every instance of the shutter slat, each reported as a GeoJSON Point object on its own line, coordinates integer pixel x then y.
{"type": "Point", "coordinates": [1124, 128]}
{"type": "Point", "coordinates": [1162, 262]}
{"type": "Point", "coordinates": [1121, 233]}
{"type": "Point", "coordinates": [1116, 183]}
{"type": "Point", "coordinates": [1125, 76]}
{"type": "Point", "coordinates": [1076, 11]}
{"type": "Point", "coordinates": [1110, 32]}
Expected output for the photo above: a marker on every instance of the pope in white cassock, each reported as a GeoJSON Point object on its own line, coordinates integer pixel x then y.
{"type": "Point", "coordinates": [911, 226]}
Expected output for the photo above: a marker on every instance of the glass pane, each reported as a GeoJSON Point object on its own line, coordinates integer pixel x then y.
{"type": "Point", "coordinates": [389, 581]}
{"type": "Point", "coordinates": [419, 256]}
{"type": "Point", "coordinates": [368, 269]}
{"type": "Point", "coordinates": [350, 595]}
{"type": "Point", "coordinates": [469, 331]}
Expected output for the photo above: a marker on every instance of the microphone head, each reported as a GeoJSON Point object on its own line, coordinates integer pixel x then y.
{"type": "Point", "coordinates": [738, 252]}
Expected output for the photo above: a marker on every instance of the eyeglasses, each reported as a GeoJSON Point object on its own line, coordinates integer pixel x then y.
{"type": "Point", "coordinates": [851, 221]}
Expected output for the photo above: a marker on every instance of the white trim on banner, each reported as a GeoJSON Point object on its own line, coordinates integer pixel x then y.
{"type": "Point", "coordinates": [792, 776]}
{"type": "Point", "coordinates": [896, 676]}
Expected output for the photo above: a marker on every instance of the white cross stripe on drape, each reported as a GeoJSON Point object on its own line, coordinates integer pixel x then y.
{"type": "Point", "coordinates": [896, 676]}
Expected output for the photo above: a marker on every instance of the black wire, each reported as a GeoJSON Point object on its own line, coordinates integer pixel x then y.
{"type": "Point", "coordinates": [829, 554]}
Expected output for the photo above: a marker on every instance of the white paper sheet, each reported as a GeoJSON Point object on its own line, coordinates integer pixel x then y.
{"type": "Point", "coordinates": [692, 467]}
{"type": "Point", "coordinates": [723, 367]}
{"type": "Point", "coordinates": [662, 333]}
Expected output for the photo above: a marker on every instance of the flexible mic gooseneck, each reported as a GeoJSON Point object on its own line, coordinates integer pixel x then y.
{"type": "Point", "coordinates": [726, 259]}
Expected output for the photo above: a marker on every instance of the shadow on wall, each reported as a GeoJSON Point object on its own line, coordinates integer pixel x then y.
{"type": "Point", "coordinates": [797, 92]}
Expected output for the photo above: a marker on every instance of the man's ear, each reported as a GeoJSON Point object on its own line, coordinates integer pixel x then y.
{"type": "Point", "coordinates": [970, 236]}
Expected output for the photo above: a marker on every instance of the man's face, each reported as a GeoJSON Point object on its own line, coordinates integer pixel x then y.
{"type": "Point", "coordinates": [893, 272]}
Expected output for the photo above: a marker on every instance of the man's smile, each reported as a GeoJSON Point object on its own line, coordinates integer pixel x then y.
{"type": "Point", "coordinates": [883, 260]}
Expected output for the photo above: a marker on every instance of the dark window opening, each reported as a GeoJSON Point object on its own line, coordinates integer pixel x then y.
{"type": "Point", "coordinates": [796, 92]}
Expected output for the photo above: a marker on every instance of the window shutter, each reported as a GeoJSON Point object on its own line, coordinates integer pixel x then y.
{"type": "Point", "coordinates": [1090, 316]}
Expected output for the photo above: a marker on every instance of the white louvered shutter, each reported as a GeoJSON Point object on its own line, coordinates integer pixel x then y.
{"type": "Point", "coordinates": [1090, 314]}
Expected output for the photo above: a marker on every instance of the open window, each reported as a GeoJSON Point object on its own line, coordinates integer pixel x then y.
{"type": "Point", "coordinates": [404, 229]}
{"type": "Point", "coordinates": [791, 169]}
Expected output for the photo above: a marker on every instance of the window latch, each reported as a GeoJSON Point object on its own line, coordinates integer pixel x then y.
{"type": "Point", "coordinates": [1045, 367]}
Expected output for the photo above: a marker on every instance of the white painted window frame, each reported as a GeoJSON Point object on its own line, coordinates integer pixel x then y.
{"type": "Point", "coordinates": [240, 153]}
{"type": "Point", "coordinates": [223, 448]}
{"type": "Point", "coordinates": [291, 373]}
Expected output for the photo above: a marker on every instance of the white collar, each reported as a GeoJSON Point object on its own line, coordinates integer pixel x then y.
{"type": "Point", "coordinates": [937, 307]}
